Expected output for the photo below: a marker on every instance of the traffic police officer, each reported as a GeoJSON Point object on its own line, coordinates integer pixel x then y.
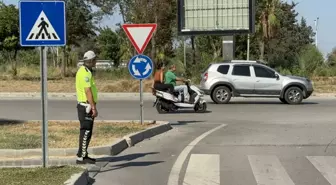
{"type": "Point", "coordinates": [87, 97]}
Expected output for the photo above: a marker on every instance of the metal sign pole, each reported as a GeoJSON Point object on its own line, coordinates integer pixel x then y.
{"type": "Point", "coordinates": [44, 98]}
{"type": "Point", "coordinates": [141, 102]}
{"type": "Point", "coordinates": [142, 62]}
{"type": "Point", "coordinates": [32, 14]}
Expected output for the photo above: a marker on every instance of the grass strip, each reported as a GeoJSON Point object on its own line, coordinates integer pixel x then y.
{"type": "Point", "coordinates": [37, 176]}
{"type": "Point", "coordinates": [62, 134]}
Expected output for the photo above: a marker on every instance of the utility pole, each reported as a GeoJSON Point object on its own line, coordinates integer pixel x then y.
{"type": "Point", "coordinates": [185, 52]}
{"type": "Point", "coordinates": [248, 47]}
{"type": "Point", "coordinates": [316, 29]}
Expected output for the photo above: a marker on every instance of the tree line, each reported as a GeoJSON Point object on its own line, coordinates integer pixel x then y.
{"type": "Point", "coordinates": [280, 39]}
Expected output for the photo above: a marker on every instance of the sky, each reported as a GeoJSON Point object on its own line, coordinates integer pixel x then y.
{"type": "Point", "coordinates": [309, 9]}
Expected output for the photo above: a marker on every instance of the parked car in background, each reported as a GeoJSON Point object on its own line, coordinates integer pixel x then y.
{"type": "Point", "coordinates": [241, 78]}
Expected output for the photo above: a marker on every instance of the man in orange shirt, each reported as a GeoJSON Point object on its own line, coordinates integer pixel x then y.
{"type": "Point", "coordinates": [158, 82]}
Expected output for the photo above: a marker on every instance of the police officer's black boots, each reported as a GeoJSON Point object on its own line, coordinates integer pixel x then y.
{"type": "Point", "coordinates": [85, 137]}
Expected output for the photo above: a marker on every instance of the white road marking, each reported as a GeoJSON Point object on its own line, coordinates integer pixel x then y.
{"type": "Point", "coordinates": [203, 169]}
{"type": "Point", "coordinates": [326, 165]}
{"type": "Point", "coordinates": [176, 170]}
{"type": "Point", "coordinates": [268, 170]}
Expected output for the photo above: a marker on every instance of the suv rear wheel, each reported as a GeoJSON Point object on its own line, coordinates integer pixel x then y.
{"type": "Point", "coordinates": [221, 95]}
{"type": "Point", "coordinates": [293, 95]}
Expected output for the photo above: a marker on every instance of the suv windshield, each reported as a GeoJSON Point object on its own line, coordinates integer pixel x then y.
{"type": "Point", "coordinates": [268, 67]}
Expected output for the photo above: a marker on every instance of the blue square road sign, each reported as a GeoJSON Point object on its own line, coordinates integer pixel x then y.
{"type": "Point", "coordinates": [42, 23]}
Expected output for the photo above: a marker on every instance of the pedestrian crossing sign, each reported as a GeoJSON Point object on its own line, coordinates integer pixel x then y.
{"type": "Point", "coordinates": [42, 29]}
{"type": "Point", "coordinates": [42, 23]}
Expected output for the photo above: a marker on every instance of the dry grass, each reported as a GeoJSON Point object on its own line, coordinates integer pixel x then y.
{"type": "Point", "coordinates": [37, 176]}
{"type": "Point", "coordinates": [68, 85]}
{"type": "Point", "coordinates": [324, 84]}
{"type": "Point", "coordinates": [62, 134]}
{"type": "Point", "coordinates": [27, 80]}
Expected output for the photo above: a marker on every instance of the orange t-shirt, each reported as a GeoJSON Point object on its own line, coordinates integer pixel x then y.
{"type": "Point", "coordinates": [157, 76]}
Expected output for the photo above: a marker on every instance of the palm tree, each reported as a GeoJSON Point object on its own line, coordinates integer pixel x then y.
{"type": "Point", "coordinates": [267, 23]}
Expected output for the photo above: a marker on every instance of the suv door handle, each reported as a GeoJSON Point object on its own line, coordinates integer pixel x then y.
{"type": "Point", "coordinates": [258, 80]}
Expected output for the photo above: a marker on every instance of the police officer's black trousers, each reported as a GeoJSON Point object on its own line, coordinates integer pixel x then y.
{"type": "Point", "coordinates": [86, 125]}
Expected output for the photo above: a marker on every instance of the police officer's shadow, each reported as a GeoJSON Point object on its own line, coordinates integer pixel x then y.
{"type": "Point", "coordinates": [128, 157]}
{"type": "Point", "coordinates": [4, 121]}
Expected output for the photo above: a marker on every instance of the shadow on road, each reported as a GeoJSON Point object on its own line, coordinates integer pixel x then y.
{"type": "Point", "coordinates": [187, 112]}
{"type": "Point", "coordinates": [261, 103]}
{"type": "Point", "coordinates": [180, 123]}
{"type": "Point", "coordinates": [10, 121]}
{"type": "Point", "coordinates": [128, 157]}
{"type": "Point", "coordinates": [91, 181]}
{"type": "Point", "coordinates": [129, 164]}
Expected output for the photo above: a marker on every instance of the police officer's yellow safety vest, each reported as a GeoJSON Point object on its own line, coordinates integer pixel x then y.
{"type": "Point", "coordinates": [84, 78]}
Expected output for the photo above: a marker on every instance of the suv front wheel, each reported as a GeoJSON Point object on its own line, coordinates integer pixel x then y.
{"type": "Point", "coordinates": [221, 95]}
{"type": "Point", "coordinates": [283, 100]}
{"type": "Point", "coordinates": [293, 95]}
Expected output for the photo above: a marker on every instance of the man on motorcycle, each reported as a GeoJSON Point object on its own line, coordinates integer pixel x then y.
{"type": "Point", "coordinates": [158, 82]}
{"type": "Point", "coordinates": [170, 78]}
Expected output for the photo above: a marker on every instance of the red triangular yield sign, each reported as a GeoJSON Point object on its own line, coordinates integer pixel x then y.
{"type": "Point", "coordinates": [139, 34]}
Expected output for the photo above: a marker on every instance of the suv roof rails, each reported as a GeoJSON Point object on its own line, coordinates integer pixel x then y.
{"type": "Point", "coordinates": [250, 61]}
{"type": "Point", "coordinates": [241, 61]}
{"type": "Point", "coordinates": [262, 62]}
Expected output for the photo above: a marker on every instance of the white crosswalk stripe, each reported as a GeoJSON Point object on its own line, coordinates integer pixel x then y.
{"type": "Point", "coordinates": [268, 170]}
{"type": "Point", "coordinates": [204, 169]}
{"type": "Point", "coordinates": [326, 165]}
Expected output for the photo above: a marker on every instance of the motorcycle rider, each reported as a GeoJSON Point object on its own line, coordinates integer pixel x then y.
{"type": "Point", "coordinates": [170, 78]}
{"type": "Point", "coordinates": [158, 82]}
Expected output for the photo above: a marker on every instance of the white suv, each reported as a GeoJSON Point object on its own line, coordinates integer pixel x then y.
{"type": "Point", "coordinates": [240, 78]}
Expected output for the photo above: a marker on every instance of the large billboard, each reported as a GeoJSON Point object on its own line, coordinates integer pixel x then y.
{"type": "Point", "coordinates": [216, 17]}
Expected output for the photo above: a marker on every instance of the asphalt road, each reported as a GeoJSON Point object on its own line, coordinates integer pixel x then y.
{"type": "Point", "coordinates": [240, 110]}
{"type": "Point", "coordinates": [247, 142]}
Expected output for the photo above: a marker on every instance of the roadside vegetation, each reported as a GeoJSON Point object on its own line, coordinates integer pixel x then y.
{"type": "Point", "coordinates": [38, 176]}
{"type": "Point", "coordinates": [63, 134]}
{"type": "Point", "coordinates": [281, 39]}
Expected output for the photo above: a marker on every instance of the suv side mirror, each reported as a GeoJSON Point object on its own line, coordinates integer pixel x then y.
{"type": "Point", "coordinates": [276, 76]}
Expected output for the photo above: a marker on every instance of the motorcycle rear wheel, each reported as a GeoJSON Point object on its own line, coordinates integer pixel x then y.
{"type": "Point", "coordinates": [200, 107]}
{"type": "Point", "coordinates": [160, 108]}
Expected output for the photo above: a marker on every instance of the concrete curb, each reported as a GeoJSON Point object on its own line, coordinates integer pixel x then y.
{"type": "Point", "coordinates": [135, 138]}
{"type": "Point", "coordinates": [115, 148]}
{"type": "Point", "coordinates": [72, 96]}
{"type": "Point", "coordinates": [79, 179]}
